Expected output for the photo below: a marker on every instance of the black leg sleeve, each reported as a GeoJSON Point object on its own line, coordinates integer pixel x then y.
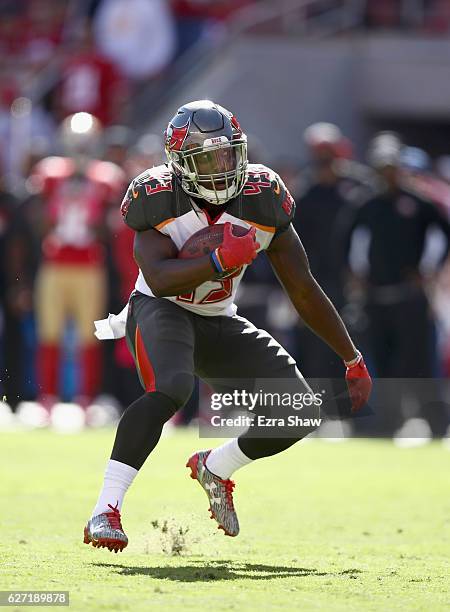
{"type": "Point", "coordinates": [257, 448]}
{"type": "Point", "coordinates": [140, 428]}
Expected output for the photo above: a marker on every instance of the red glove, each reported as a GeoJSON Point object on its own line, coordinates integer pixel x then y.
{"type": "Point", "coordinates": [235, 251]}
{"type": "Point", "coordinates": [359, 383]}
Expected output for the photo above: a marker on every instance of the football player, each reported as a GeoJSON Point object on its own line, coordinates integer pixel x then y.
{"type": "Point", "coordinates": [182, 318]}
{"type": "Point", "coordinates": [76, 192]}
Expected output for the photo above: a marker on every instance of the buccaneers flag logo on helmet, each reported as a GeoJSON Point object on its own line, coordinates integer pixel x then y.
{"type": "Point", "coordinates": [175, 137]}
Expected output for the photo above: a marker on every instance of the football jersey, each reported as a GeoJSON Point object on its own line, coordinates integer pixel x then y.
{"type": "Point", "coordinates": [75, 205]}
{"type": "Point", "coordinates": [155, 200]}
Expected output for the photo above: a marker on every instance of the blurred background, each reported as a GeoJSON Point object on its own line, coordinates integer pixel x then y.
{"type": "Point", "coordinates": [347, 99]}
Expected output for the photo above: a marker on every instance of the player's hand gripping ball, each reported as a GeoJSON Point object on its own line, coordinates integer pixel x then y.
{"type": "Point", "coordinates": [231, 246]}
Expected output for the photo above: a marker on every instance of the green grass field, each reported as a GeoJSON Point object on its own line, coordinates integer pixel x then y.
{"type": "Point", "coordinates": [353, 526]}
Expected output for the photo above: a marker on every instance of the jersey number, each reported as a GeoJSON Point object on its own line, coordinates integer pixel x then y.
{"type": "Point", "coordinates": [161, 185]}
{"type": "Point", "coordinates": [215, 295]}
{"type": "Point", "coordinates": [257, 181]}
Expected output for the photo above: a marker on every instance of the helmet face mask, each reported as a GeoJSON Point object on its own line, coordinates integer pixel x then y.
{"type": "Point", "coordinates": [208, 152]}
{"type": "Point", "coordinates": [215, 173]}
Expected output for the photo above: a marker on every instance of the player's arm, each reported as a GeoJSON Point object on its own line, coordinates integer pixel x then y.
{"type": "Point", "coordinates": [166, 275]}
{"type": "Point", "coordinates": [155, 253]}
{"type": "Point", "coordinates": [156, 256]}
{"type": "Point", "coordinates": [290, 263]}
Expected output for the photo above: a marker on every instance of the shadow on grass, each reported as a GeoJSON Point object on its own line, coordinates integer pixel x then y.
{"type": "Point", "coordinates": [206, 571]}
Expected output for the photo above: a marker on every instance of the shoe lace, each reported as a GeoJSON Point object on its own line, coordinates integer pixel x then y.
{"type": "Point", "coordinates": [114, 517]}
{"type": "Point", "coordinates": [229, 486]}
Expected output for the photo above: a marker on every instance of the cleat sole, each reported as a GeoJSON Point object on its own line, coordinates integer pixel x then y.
{"type": "Point", "coordinates": [111, 545]}
{"type": "Point", "coordinates": [86, 539]}
{"type": "Point", "coordinates": [192, 465]}
{"type": "Point", "coordinates": [227, 533]}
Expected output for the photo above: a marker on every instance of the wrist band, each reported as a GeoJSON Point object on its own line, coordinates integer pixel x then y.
{"type": "Point", "coordinates": [353, 362]}
{"type": "Point", "coordinates": [216, 262]}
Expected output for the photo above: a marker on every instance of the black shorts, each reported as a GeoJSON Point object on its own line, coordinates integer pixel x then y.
{"type": "Point", "coordinates": [171, 344]}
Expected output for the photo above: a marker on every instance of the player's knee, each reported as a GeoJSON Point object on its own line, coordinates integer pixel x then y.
{"type": "Point", "coordinates": [179, 388]}
{"type": "Point", "coordinates": [159, 405]}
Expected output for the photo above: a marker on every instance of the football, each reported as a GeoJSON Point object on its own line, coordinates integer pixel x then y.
{"type": "Point", "coordinates": [206, 240]}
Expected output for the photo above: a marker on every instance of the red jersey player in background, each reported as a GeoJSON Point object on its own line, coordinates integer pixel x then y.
{"type": "Point", "coordinates": [76, 191]}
